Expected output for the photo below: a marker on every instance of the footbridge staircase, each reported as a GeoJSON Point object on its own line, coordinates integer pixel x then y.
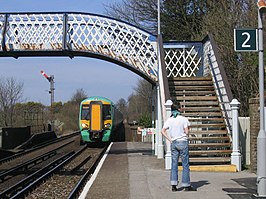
{"type": "Point", "coordinates": [196, 78]}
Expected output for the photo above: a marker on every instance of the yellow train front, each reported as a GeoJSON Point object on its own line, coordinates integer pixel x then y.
{"type": "Point", "coordinates": [98, 118]}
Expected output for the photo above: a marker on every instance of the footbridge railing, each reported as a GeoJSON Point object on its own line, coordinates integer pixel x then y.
{"type": "Point", "coordinates": [73, 34]}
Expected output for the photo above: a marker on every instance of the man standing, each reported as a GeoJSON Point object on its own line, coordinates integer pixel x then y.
{"type": "Point", "coordinates": [178, 127]}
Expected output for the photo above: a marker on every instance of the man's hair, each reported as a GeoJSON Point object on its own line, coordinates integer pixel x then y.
{"type": "Point", "coordinates": [175, 106]}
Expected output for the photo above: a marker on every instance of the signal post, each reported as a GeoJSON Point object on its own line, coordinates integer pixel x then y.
{"type": "Point", "coordinates": [51, 92]}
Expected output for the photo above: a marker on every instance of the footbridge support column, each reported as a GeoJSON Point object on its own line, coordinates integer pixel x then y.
{"type": "Point", "coordinates": [160, 151]}
{"type": "Point", "coordinates": [235, 155]}
{"type": "Point", "coordinates": [168, 157]}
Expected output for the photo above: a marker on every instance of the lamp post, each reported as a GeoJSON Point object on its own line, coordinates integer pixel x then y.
{"type": "Point", "coordinates": [261, 139]}
{"type": "Point", "coordinates": [160, 151]}
{"type": "Point", "coordinates": [159, 18]}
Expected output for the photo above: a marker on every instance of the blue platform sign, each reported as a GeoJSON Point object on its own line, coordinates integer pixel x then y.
{"type": "Point", "coordinates": [245, 40]}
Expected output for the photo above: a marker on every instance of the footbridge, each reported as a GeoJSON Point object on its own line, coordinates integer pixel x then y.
{"type": "Point", "coordinates": [164, 64]}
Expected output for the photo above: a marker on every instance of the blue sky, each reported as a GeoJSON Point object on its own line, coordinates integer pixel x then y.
{"type": "Point", "coordinates": [96, 77]}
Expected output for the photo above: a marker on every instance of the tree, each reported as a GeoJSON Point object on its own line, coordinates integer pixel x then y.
{"type": "Point", "coordinates": [78, 96]}
{"type": "Point", "coordinates": [68, 112]}
{"type": "Point", "coordinates": [121, 105]}
{"type": "Point", "coordinates": [180, 20]}
{"type": "Point", "coordinates": [144, 92]}
{"type": "Point", "coordinates": [11, 92]}
{"type": "Point", "coordinates": [136, 12]}
{"type": "Point", "coordinates": [140, 103]}
{"type": "Point", "coordinates": [145, 120]}
{"type": "Point", "coordinates": [69, 116]}
{"type": "Point", "coordinates": [133, 108]}
{"type": "Point", "coordinates": [241, 68]}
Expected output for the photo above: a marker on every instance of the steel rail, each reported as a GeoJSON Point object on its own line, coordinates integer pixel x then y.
{"type": "Point", "coordinates": [39, 147]}
{"type": "Point", "coordinates": [42, 174]}
{"type": "Point", "coordinates": [24, 166]}
{"type": "Point", "coordinates": [76, 190]}
{"type": "Point", "coordinates": [26, 184]}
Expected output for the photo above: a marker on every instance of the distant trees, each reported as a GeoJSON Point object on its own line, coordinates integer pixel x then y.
{"type": "Point", "coordinates": [78, 96]}
{"type": "Point", "coordinates": [241, 68]}
{"type": "Point", "coordinates": [121, 104]}
{"type": "Point", "coordinates": [69, 111]}
{"type": "Point", "coordinates": [180, 20]}
{"type": "Point", "coordinates": [11, 92]}
{"type": "Point", "coordinates": [14, 113]}
{"type": "Point", "coordinates": [139, 104]}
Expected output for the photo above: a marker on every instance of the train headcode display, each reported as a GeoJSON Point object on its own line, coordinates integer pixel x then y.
{"type": "Point", "coordinates": [245, 40]}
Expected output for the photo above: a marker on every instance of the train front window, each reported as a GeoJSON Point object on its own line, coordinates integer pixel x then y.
{"type": "Point", "coordinates": [85, 112]}
{"type": "Point", "coordinates": [106, 112]}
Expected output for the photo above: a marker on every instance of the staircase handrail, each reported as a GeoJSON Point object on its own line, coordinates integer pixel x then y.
{"type": "Point", "coordinates": [224, 80]}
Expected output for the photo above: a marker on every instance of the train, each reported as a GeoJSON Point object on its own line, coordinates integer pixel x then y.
{"type": "Point", "coordinates": [100, 121]}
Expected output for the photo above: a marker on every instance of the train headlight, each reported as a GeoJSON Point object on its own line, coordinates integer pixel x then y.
{"type": "Point", "coordinates": [84, 125]}
{"type": "Point", "coordinates": [107, 126]}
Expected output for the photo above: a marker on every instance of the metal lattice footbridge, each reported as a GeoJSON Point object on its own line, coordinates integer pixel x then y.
{"type": "Point", "coordinates": [81, 34]}
{"type": "Point", "coordinates": [70, 34]}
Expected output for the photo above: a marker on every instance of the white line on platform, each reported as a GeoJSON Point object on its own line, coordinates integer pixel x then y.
{"type": "Point", "coordinates": [93, 177]}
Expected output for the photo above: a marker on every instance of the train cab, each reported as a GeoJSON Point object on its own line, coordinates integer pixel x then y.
{"type": "Point", "coordinates": [96, 120]}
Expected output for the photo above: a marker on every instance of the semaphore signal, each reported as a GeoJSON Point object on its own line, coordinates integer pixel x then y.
{"type": "Point", "coordinates": [46, 76]}
{"type": "Point", "coordinates": [51, 91]}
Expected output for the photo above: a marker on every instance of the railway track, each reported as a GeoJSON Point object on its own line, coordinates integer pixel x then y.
{"type": "Point", "coordinates": [68, 181]}
{"type": "Point", "coordinates": [58, 170]}
{"type": "Point", "coordinates": [42, 146]}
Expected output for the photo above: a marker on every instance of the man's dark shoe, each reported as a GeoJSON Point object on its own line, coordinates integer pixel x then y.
{"type": "Point", "coordinates": [190, 188]}
{"type": "Point", "coordinates": [174, 188]}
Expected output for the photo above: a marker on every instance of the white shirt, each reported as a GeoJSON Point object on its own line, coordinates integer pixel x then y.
{"type": "Point", "coordinates": [176, 127]}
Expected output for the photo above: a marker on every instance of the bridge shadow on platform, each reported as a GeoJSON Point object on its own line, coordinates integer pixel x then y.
{"type": "Point", "coordinates": [248, 190]}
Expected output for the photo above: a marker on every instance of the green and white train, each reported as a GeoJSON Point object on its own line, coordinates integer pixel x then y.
{"type": "Point", "coordinates": [100, 121]}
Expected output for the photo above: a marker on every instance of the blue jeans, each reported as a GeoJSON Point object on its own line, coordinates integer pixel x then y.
{"type": "Point", "coordinates": [180, 149]}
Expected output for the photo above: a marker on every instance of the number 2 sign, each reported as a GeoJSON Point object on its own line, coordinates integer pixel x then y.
{"type": "Point", "coordinates": [245, 40]}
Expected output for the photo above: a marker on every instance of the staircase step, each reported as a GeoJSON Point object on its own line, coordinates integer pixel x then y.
{"type": "Point", "coordinates": [208, 132]}
{"type": "Point", "coordinates": [210, 160]}
{"type": "Point", "coordinates": [194, 93]}
{"type": "Point", "coordinates": [206, 119]}
{"type": "Point", "coordinates": [210, 145]}
{"type": "Point", "coordinates": [200, 109]}
{"type": "Point", "coordinates": [220, 125]}
{"type": "Point", "coordinates": [202, 114]}
{"type": "Point", "coordinates": [196, 98]}
{"type": "Point", "coordinates": [199, 103]}
{"type": "Point", "coordinates": [190, 82]}
{"type": "Point", "coordinates": [209, 139]}
{"type": "Point", "coordinates": [209, 152]}
{"type": "Point", "coordinates": [190, 87]}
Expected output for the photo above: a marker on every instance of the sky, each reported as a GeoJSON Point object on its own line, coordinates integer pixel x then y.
{"type": "Point", "coordinates": [94, 76]}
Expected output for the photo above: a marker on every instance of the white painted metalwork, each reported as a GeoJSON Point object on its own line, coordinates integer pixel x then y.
{"type": "Point", "coordinates": [235, 155]}
{"type": "Point", "coordinates": [2, 19]}
{"type": "Point", "coordinates": [182, 60]}
{"type": "Point", "coordinates": [211, 67]}
{"type": "Point", "coordinates": [168, 156]}
{"type": "Point", "coordinates": [80, 32]}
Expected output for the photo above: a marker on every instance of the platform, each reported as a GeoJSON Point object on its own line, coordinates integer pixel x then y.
{"type": "Point", "coordinates": [130, 170]}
